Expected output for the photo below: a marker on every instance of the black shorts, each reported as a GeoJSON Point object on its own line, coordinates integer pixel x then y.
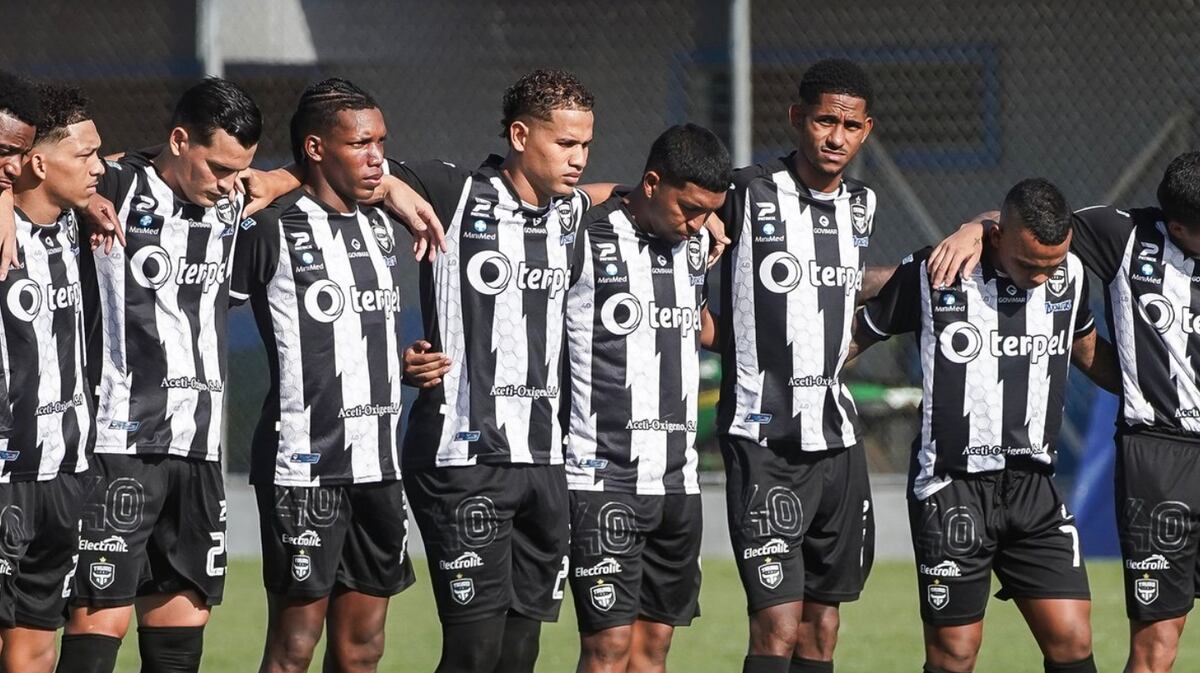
{"type": "Point", "coordinates": [39, 529]}
{"type": "Point", "coordinates": [151, 525]}
{"type": "Point", "coordinates": [1158, 522]}
{"type": "Point", "coordinates": [315, 537]}
{"type": "Point", "coordinates": [496, 537]}
{"type": "Point", "coordinates": [1014, 523]}
{"type": "Point", "coordinates": [635, 556]}
{"type": "Point", "coordinates": [802, 523]}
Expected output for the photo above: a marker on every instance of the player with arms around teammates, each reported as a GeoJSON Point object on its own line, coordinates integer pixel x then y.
{"type": "Point", "coordinates": [636, 319]}
{"type": "Point", "coordinates": [321, 272]}
{"type": "Point", "coordinates": [995, 352]}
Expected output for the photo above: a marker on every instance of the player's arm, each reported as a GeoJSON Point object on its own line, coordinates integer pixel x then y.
{"type": "Point", "coordinates": [874, 278]}
{"type": "Point", "coordinates": [709, 337]}
{"type": "Point", "coordinates": [255, 256]}
{"type": "Point", "coordinates": [895, 309]}
{"type": "Point", "coordinates": [8, 235]}
{"type": "Point", "coordinates": [99, 219]}
{"type": "Point", "coordinates": [958, 254]}
{"type": "Point", "coordinates": [1097, 358]}
{"type": "Point", "coordinates": [424, 367]}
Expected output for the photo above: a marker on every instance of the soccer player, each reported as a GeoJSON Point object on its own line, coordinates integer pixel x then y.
{"type": "Point", "coordinates": [1146, 258]}
{"type": "Point", "coordinates": [41, 324]}
{"type": "Point", "coordinates": [799, 501]}
{"type": "Point", "coordinates": [995, 351]}
{"type": "Point", "coordinates": [483, 463]}
{"type": "Point", "coordinates": [153, 525]}
{"type": "Point", "coordinates": [321, 273]}
{"type": "Point", "coordinates": [636, 318]}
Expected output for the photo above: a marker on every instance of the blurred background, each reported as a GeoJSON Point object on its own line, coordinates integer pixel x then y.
{"type": "Point", "coordinates": [971, 96]}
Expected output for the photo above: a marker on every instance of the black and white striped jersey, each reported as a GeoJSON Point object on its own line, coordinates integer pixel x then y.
{"type": "Point", "coordinates": [325, 287]}
{"type": "Point", "coordinates": [1152, 289]}
{"type": "Point", "coordinates": [994, 362]}
{"type": "Point", "coordinates": [158, 322]}
{"type": "Point", "coordinates": [494, 305]}
{"type": "Point", "coordinates": [43, 355]}
{"type": "Point", "coordinates": [633, 343]}
{"type": "Point", "coordinates": [789, 285]}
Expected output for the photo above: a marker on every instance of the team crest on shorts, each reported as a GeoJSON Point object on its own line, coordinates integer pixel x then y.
{"type": "Point", "coordinates": [770, 574]}
{"type": "Point", "coordinates": [463, 590]}
{"type": "Point", "coordinates": [1146, 590]}
{"type": "Point", "coordinates": [604, 596]}
{"type": "Point", "coordinates": [938, 596]}
{"type": "Point", "coordinates": [301, 567]}
{"type": "Point", "coordinates": [102, 574]}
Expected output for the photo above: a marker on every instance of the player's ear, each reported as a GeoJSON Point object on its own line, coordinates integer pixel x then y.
{"type": "Point", "coordinates": [796, 116]}
{"type": "Point", "coordinates": [37, 164]}
{"type": "Point", "coordinates": [518, 135]}
{"type": "Point", "coordinates": [313, 148]}
{"type": "Point", "coordinates": [650, 182]}
{"type": "Point", "coordinates": [178, 141]}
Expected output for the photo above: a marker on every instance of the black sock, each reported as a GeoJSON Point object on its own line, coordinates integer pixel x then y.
{"type": "Point", "coordinates": [761, 663]}
{"type": "Point", "coordinates": [88, 653]}
{"type": "Point", "coordinates": [473, 647]}
{"type": "Point", "coordinates": [929, 668]}
{"type": "Point", "coordinates": [1087, 665]}
{"type": "Point", "coordinates": [801, 665]}
{"type": "Point", "coordinates": [522, 637]}
{"type": "Point", "coordinates": [171, 649]}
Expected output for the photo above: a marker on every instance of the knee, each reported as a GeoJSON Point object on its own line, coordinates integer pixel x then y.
{"type": "Point", "coordinates": [608, 646]}
{"type": "Point", "coordinates": [952, 651]}
{"type": "Point", "coordinates": [293, 651]}
{"type": "Point", "coordinates": [774, 631]}
{"type": "Point", "coordinates": [1154, 647]}
{"type": "Point", "coordinates": [653, 649]}
{"type": "Point", "coordinates": [361, 652]}
{"type": "Point", "coordinates": [1071, 641]}
{"type": "Point", "coordinates": [819, 632]}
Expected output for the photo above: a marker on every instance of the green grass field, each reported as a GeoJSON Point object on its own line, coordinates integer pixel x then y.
{"type": "Point", "coordinates": [880, 634]}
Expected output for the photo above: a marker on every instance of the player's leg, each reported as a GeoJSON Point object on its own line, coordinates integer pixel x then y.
{"type": "Point", "coordinates": [766, 497]}
{"type": "Point", "coordinates": [44, 574]}
{"type": "Point", "coordinates": [1153, 646]}
{"type": "Point", "coordinates": [670, 580]}
{"type": "Point", "coordinates": [839, 551]}
{"type": "Point", "coordinates": [608, 538]}
{"type": "Point", "coordinates": [954, 548]}
{"type": "Point", "coordinates": [1040, 567]}
{"type": "Point", "coordinates": [541, 531]}
{"type": "Point", "coordinates": [1158, 522]}
{"type": "Point", "coordinates": [373, 567]}
{"type": "Point", "coordinates": [186, 552]}
{"type": "Point", "coordinates": [465, 515]}
{"type": "Point", "coordinates": [302, 532]}
{"type": "Point", "coordinates": [122, 499]}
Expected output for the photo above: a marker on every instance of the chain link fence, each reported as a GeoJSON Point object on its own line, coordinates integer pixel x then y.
{"type": "Point", "coordinates": [971, 97]}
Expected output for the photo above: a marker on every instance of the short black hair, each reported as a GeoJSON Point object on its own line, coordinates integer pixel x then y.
{"type": "Point", "coordinates": [318, 109]}
{"type": "Point", "coordinates": [836, 76]}
{"type": "Point", "coordinates": [690, 153]}
{"type": "Point", "coordinates": [61, 107]}
{"type": "Point", "coordinates": [19, 98]}
{"type": "Point", "coordinates": [1179, 191]}
{"type": "Point", "coordinates": [1042, 208]}
{"type": "Point", "coordinates": [217, 103]}
{"type": "Point", "coordinates": [541, 92]}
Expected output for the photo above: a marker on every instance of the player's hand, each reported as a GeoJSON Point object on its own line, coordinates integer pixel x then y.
{"type": "Point", "coordinates": [958, 254]}
{"type": "Point", "coordinates": [716, 230]}
{"type": "Point", "coordinates": [100, 217]}
{"type": "Point", "coordinates": [422, 367]}
{"type": "Point", "coordinates": [253, 184]}
{"type": "Point", "coordinates": [8, 235]}
{"type": "Point", "coordinates": [415, 212]}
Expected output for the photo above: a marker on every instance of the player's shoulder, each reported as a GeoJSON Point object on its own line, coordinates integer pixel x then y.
{"type": "Point", "coordinates": [748, 175]}
{"type": "Point", "coordinates": [281, 209]}
{"type": "Point", "coordinates": [917, 257]}
{"type": "Point", "coordinates": [598, 221]}
{"type": "Point", "coordinates": [856, 187]}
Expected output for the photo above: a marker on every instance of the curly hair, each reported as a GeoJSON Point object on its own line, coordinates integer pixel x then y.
{"type": "Point", "coordinates": [836, 76]}
{"type": "Point", "coordinates": [61, 107]}
{"type": "Point", "coordinates": [19, 98]}
{"type": "Point", "coordinates": [541, 92]}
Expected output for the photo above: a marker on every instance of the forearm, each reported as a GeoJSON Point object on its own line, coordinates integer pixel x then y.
{"type": "Point", "coordinates": [1097, 359]}
{"type": "Point", "coordinates": [874, 278]}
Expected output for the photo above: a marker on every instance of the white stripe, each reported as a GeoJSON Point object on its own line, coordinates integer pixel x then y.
{"type": "Point", "coordinates": [557, 258]}
{"type": "Point", "coordinates": [209, 342]}
{"type": "Point", "coordinates": [1039, 322]}
{"type": "Point", "coordinates": [49, 426]}
{"type": "Point", "coordinates": [456, 411]}
{"type": "Point", "coordinates": [750, 376]}
{"type": "Point", "coordinates": [83, 418]}
{"type": "Point", "coordinates": [1177, 288]}
{"type": "Point", "coordinates": [1137, 409]}
{"type": "Point", "coordinates": [689, 360]}
{"type": "Point", "coordinates": [295, 416]}
{"type": "Point", "coordinates": [395, 349]}
{"type": "Point", "coordinates": [581, 438]}
{"type": "Point", "coordinates": [509, 330]}
{"type": "Point", "coordinates": [113, 393]}
{"type": "Point", "coordinates": [848, 256]}
{"type": "Point", "coordinates": [925, 483]}
{"type": "Point", "coordinates": [981, 403]}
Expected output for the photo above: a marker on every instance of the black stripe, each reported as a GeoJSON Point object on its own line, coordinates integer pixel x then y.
{"type": "Point", "coordinates": [145, 355]}
{"type": "Point", "coordinates": [950, 425]}
{"type": "Point", "coordinates": [1013, 372]}
{"type": "Point", "coordinates": [831, 306]}
{"type": "Point", "coordinates": [612, 399]}
{"type": "Point", "coordinates": [669, 343]}
{"type": "Point", "coordinates": [770, 310]}
{"type": "Point", "coordinates": [479, 321]}
{"type": "Point", "coordinates": [1151, 355]}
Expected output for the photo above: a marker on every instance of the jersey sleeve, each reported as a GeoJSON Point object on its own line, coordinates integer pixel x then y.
{"type": "Point", "coordinates": [1085, 322]}
{"type": "Point", "coordinates": [734, 208]}
{"type": "Point", "coordinates": [116, 181]}
{"type": "Point", "coordinates": [437, 182]}
{"type": "Point", "coordinates": [255, 256]}
{"type": "Point", "coordinates": [897, 307]}
{"type": "Point", "coordinates": [1099, 237]}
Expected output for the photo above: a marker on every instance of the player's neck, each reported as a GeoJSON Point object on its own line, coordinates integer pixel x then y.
{"type": "Point", "coordinates": [636, 203]}
{"type": "Point", "coordinates": [319, 188]}
{"type": "Point", "coordinates": [36, 204]}
{"type": "Point", "coordinates": [814, 179]}
{"type": "Point", "coordinates": [511, 168]}
{"type": "Point", "coordinates": [167, 165]}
